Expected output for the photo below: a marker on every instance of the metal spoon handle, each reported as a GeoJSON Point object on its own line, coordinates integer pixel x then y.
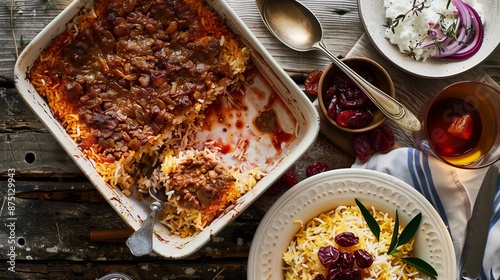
{"type": "Point", "coordinates": [141, 241]}
{"type": "Point", "coordinates": [388, 105]}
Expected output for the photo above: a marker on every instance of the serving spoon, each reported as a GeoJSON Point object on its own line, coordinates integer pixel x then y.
{"type": "Point", "coordinates": [141, 241]}
{"type": "Point", "coordinates": [298, 28]}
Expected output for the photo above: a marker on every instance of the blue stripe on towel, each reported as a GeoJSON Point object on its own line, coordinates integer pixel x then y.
{"type": "Point", "coordinates": [411, 167]}
{"type": "Point", "coordinates": [496, 206]}
{"type": "Point", "coordinates": [491, 274]}
{"type": "Point", "coordinates": [422, 181]}
{"type": "Point", "coordinates": [438, 204]}
{"type": "Point", "coordinates": [495, 219]}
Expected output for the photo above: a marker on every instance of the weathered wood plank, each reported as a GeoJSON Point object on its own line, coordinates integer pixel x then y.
{"type": "Point", "coordinates": [148, 270]}
{"type": "Point", "coordinates": [492, 66]}
{"type": "Point", "coordinates": [27, 20]}
{"type": "Point", "coordinates": [25, 143]}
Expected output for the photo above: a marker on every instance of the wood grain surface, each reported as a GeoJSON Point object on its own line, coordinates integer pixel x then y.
{"type": "Point", "coordinates": [58, 210]}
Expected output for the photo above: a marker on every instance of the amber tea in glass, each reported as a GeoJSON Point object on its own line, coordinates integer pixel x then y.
{"type": "Point", "coordinates": [461, 125]}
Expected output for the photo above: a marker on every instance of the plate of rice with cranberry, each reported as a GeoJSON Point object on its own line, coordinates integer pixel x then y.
{"type": "Point", "coordinates": [352, 224]}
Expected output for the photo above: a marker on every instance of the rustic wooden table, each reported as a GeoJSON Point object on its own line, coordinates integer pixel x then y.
{"type": "Point", "coordinates": [58, 212]}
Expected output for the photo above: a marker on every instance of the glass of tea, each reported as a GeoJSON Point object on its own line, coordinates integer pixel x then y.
{"type": "Point", "coordinates": [461, 125]}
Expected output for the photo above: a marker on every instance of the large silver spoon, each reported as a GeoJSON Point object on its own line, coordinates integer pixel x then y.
{"type": "Point", "coordinates": [299, 29]}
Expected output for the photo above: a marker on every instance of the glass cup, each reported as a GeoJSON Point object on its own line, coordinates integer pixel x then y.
{"type": "Point", "coordinates": [460, 125]}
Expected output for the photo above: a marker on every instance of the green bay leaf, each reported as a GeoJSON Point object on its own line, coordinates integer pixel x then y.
{"type": "Point", "coordinates": [422, 266]}
{"type": "Point", "coordinates": [410, 230]}
{"type": "Point", "coordinates": [370, 220]}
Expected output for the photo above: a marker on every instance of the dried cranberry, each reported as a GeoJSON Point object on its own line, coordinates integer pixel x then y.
{"type": "Point", "coordinates": [360, 119]}
{"type": "Point", "coordinates": [346, 239]}
{"type": "Point", "coordinates": [350, 104]}
{"type": "Point", "coordinates": [346, 103]}
{"type": "Point", "coordinates": [361, 96]}
{"type": "Point", "coordinates": [289, 179]}
{"type": "Point", "coordinates": [382, 138]}
{"type": "Point", "coordinates": [341, 80]}
{"type": "Point", "coordinates": [328, 255]}
{"type": "Point", "coordinates": [362, 147]}
{"type": "Point", "coordinates": [312, 81]}
{"type": "Point", "coordinates": [352, 274]}
{"type": "Point", "coordinates": [275, 188]}
{"type": "Point", "coordinates": [370, 108]}
{"type": "Point", "coordinates": [353, 98]}
{"type": "Point", "coordinates": [319, 277]}
{"type": "Point", "coordinates": [353, 119]}
{"type": "Point", "coordinates": [333, 108]}
{"type": "Point", "coordinates": [351, 93]}
{"type": "Point", "coordinates": [316, 168]}
{"type": "Point", "coordinates": [346, 260]}
{"type": "Point", "coordinates": [343, 118]}
{"type": "Point", "coordinates": [386, 129]}
{"type": "Point", "coordinates": [329, 94]}
{"type": "Point", "coordinates": [363, 258]}
{"type": "Point", "coordinates": [334, 273]}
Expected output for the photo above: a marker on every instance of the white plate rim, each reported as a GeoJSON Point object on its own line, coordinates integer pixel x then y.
{"type": "Point", "coordinates": [372, 15]}
{"type": "Point", "coordinates": [314, 195]}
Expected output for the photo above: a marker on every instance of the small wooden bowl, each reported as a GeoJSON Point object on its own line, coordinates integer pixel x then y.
{"type": "Point", "coordinates": [382, 81]}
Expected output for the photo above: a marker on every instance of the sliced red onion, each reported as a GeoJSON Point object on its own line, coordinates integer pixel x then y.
{"type": "Point", "coordinates": [467, 43]}
{"type": "Point", "coordinates": [454, 45]}
{"type": "Point", "coordinates": [476, 42]}
{"type": "Point", "coordinates": [469, 34]}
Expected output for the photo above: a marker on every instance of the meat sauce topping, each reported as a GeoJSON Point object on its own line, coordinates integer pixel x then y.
{"type": "Point", "coordinates": [198, 179]}
{"type": "Point", "coordinates": [136, 70]}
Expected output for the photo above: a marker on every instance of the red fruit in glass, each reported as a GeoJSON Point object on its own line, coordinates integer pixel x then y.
{"type": "Point", "coordinates": [440, 118]}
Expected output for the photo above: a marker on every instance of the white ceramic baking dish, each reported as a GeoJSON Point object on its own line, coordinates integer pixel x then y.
{"type": "Point", "coordinates": [303, 120]}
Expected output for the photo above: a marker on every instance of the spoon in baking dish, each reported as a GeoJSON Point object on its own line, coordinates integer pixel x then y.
{"type": "Point", "coordinates": [141, 241]}
{"type": "Point", "coordinates": [299, 29]}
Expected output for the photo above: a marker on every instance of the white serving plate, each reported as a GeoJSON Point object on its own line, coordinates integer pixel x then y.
{"type": "Point", "coordinates": [132, 211]}
{"type": "Point", "coordinates": [326, 191]}
{"type": "Point", "coordinates": [372, 14]}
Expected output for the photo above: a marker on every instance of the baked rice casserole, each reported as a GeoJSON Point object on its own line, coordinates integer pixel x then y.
{"type": "Point", "coordinates": [131, 82]}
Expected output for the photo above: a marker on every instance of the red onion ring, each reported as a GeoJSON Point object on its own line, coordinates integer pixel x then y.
{"type": "Point", "coordinates": [469, 34]}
